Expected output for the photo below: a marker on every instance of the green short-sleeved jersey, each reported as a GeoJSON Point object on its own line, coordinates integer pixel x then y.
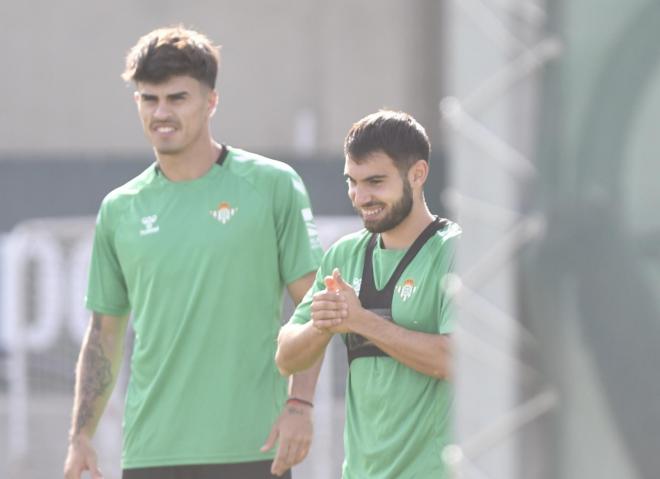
{"type": "Point", "coordinates": [397, 420]}
{"type": "Point", "coordinates": [202, 266]}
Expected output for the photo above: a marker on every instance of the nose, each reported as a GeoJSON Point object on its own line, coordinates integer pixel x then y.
{"type": "Point", "coordinates": [359, 195]}
{"type": "Point", "coordinates": [161, 111]}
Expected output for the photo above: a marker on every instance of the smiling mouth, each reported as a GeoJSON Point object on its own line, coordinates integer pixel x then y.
{"type": "Point", "coordinates": [165, 129]}
{"type": "Point", "coordinates": [370, 212]}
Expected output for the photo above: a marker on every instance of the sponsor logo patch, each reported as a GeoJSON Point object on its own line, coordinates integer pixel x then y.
{"type": "Point", "coordinates": [149, 225]}
{"type": "Point", "coordinates": [312, 230]}
{"type": "Point", "coordinates": [356, 284]}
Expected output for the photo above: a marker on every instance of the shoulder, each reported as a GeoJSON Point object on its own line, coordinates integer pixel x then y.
{"type": "Point", "coordinates": [348, 245]}
{"type": "Point", "coordinates": [445, 242]}
{"type": "Point", "coordinates": [118, 198]}
{"type": "Point", "coordinates": [258, 169]}
{"type": "Point", "coordinates": [451, 231]}
{"type": "Point", "coordinates": [133, 186]}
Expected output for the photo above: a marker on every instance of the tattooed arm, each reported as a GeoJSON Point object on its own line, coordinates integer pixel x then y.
{"type": "Point", "coordinates": [98, 364]}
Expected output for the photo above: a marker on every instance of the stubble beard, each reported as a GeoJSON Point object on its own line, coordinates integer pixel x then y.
{"type": "Point", "coordinates": [399, 212]}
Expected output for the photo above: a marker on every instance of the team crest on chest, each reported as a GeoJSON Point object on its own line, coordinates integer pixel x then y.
{"type": "Point", "coordinates": [406, 289]}
{"type": "Point", "coordinates": [224, 212]}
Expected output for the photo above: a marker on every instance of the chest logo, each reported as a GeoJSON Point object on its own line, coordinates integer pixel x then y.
{"type": "Point", "coordinates": [406, 289]}
{"type": "Point", "coordinates": [149, 225]}
{"type": "Point", "coordinates": [224, 212]}
{"type": "Point", "coordinates": [356, 285]}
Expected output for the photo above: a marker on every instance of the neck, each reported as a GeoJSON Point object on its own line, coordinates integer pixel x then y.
{"type": "Point", "coordinates": [191, 164]}
{"type": "Point", "coordinates": [406, 232]}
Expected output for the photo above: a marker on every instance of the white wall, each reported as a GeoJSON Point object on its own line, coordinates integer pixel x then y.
{"type": "Point", "coordinates": [341, 60]}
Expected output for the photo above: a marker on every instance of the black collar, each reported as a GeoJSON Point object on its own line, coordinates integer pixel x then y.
{"type": "Point", "coordinates": [224, 152]}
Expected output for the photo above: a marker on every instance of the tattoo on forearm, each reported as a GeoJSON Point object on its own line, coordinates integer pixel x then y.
{"type": "Point", "coordinates": [95, 370]}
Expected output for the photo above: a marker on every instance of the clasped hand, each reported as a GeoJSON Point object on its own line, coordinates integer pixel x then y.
{"type": "Point", "coordinates": [336, 308]}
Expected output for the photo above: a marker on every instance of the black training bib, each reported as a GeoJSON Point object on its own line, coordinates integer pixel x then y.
{"type": "Point", "coordinates": [380, 301]}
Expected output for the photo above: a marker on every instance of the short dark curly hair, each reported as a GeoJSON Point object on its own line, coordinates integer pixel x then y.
{"type": "Point", "coordinates": [395, 133]}
{"type": "Point", "coordinates": [171, 51]}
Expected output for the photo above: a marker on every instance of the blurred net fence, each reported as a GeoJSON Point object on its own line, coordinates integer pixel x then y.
{"type": "Point", "coordinates": [550, 134]}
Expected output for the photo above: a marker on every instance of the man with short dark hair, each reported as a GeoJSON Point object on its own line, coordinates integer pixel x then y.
{"type": "Point", "coordinates": [383, 289]}
{"type": "Point", "coordinates": [198, 249]}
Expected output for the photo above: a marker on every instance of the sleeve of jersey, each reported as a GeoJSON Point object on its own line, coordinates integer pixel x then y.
{"type": "Point", "coordinates": [447, 315]}
{"type": "Point", "coordinates": [106, 290]}
{"type": "Point", "coordinates": [298, 242]}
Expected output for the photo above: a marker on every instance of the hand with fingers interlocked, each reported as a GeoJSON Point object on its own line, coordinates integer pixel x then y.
{"type": "Point", "coordinates": [336, 308]}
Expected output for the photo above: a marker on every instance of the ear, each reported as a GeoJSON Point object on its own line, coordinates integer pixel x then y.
{"type": "Point", "coordinates": [136, 96]}
{"type": "Point", "coordinates": [418, 173]}
{"type": "Point", "coordinates": [214, 98]}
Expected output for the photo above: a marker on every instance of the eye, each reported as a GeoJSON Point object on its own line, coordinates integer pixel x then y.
{"type": "Point", "coordinates": [148, 99]}
{"type": "Point", "coordinates": [178, 97]}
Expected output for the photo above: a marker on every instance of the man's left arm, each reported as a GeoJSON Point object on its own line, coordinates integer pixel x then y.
{"type": "Point", "coordinates": [426, 353]}
{"type": "Point", "coordinates": [294, 427]}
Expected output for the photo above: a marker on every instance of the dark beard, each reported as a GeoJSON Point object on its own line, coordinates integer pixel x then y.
{"type": "Point", "coordinates": [397, 214]}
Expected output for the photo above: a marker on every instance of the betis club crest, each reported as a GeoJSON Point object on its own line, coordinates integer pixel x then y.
{"type": "Point", "coordinates": [224, 212]}
{"type": "Point", "coordinates": [406, 290]}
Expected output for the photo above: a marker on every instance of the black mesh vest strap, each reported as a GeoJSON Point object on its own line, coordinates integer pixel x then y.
{"type": "Point", "coordinates": [380, 301]}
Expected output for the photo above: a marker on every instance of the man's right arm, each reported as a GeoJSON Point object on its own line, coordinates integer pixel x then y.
{"type": "Point", "coordinates": [300, 346]}
{"type": "Point", "coordinates": [98, 365]}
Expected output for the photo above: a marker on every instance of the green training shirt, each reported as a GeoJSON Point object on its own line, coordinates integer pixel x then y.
{"type": "Point", "coordinates": [202, 266]}
{"type": "Point", "coordinates": [397, 419]}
